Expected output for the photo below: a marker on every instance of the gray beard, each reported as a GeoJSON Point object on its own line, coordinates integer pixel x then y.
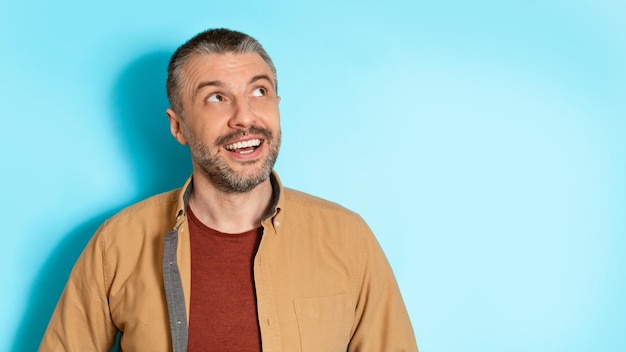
{"type": "Point", "coordinates": [222, 176]}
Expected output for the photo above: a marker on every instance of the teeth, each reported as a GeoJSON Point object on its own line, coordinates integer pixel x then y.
{"type": "Point", "coordinates": [245, 144]}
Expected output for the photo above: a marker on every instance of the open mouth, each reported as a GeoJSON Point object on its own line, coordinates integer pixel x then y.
{"type": "Point", "coordinates": [245, 147]}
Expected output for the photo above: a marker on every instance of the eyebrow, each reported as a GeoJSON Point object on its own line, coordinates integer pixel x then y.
{"type": "Point", "coordinates": [263, 76]}
{"type": "Point", "coordinates": [201, 85]}
{"type": "Point", "coordinates": [220, 84]}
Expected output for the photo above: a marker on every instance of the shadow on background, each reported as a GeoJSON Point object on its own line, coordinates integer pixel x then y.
{"type": "Point", "coordinates": [158, 163]}
{"type": "Point", "coordinates": [49, 284]}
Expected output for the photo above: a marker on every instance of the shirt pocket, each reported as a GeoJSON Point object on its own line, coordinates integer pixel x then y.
{"type": "Point", "coordinates": [324, 323]}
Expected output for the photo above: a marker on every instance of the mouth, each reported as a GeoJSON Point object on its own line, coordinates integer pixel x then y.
{"type": "Point", "coordinates": [244, 147]}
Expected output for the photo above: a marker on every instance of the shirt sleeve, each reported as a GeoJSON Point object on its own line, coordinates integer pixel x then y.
{"type": "Point", "coordinates": [381, 322]}
{"type": "Point", "coordinates": [82, 319]}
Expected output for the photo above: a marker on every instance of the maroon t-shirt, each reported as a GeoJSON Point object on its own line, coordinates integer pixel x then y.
{"type": "Point", "coordinates": [223, 312]}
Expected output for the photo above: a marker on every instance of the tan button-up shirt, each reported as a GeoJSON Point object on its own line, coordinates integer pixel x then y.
{"type": "Point", "coordinates": [322, 282]}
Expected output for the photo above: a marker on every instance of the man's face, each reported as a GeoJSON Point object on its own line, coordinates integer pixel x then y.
{"type": "Point", "coordinates": [230, 119]}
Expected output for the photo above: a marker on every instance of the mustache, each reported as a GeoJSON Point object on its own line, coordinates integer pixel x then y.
{"type": "Point", "coordinates": [225, 139]}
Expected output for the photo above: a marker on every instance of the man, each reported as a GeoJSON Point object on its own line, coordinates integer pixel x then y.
{"type": "Point", "coordinates": [232, 261]}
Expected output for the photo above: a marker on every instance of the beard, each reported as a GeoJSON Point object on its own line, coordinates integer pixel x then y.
{"type": "Point", "coordinates": [211, 163]}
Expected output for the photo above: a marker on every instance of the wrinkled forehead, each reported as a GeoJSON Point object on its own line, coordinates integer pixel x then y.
{"type": "Point", "coordinates": [228, 70]}
{"type": "Point", "coordinates": [199, 64]}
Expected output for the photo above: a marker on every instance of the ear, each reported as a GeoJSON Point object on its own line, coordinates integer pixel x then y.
{"type": "Point", "coordinates": [176, 127]}
{"type": "Point", "coordinates": [277, 100]}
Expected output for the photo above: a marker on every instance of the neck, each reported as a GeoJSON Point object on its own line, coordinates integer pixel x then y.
{"type": "Point", "coordinates": [230, 213]}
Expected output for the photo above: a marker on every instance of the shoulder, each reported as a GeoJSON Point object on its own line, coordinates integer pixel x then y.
{"type": "Point", "coordinates": [304, 206]}
{"type": "Point", "coordinates": [305, 200]}
{"type": "Point", "coordinates": [159, 203]}
{"type": "Point", "coordinates": [155, 213]}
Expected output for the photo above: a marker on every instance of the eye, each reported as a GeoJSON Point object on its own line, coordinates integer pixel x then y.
{"type": "Point", "coordinates": [259, 92]}
{"type": "Point", "coordinates": [215, 98]}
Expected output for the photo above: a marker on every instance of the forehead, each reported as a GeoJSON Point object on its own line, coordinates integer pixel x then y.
{"type": "Point", "coordinates": [224, 67]}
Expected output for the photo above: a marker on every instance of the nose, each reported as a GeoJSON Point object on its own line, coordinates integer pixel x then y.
{"type": "Point", "coordinates": [243, 116]}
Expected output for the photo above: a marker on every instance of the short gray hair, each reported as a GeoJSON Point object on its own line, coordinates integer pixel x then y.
{"type": "Point", "coordinates": [212, 41]}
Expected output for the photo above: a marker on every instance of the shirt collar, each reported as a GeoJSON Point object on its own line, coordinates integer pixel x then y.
{"type": "Point", "coordinates": [274, 214]}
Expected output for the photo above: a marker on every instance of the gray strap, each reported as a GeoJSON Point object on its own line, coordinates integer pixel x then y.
{"type": "Point", "coordinates": [174, 293]}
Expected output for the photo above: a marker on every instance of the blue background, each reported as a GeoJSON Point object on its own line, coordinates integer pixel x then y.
{"type": "Point", "coordinates": [483, 141]}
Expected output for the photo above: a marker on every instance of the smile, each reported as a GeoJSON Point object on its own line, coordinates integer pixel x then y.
{"type": "Point", "coordinates": [244, 147]}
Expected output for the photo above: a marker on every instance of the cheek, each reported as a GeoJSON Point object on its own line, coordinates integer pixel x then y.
{"type": "Point", "coordinates": [277, 119]}
{"type": "Point", "coordinates": [201, 133]}
{"type": "Point", "coordinates": [271, 113]}
{"type": "Point", "coordinates": [210, 120]}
